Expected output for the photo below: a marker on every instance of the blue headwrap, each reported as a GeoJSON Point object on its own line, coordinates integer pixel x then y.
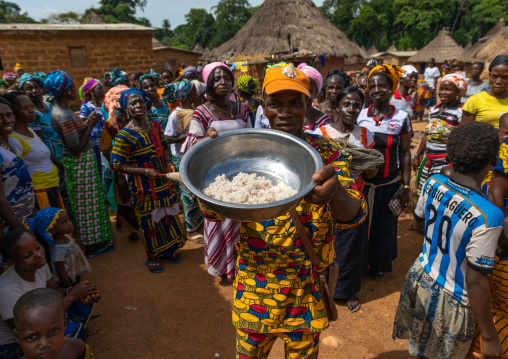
{"type": "Point", "coordinates": [43, 221]}
{"type": "Point", "coordinates": [177, 91]}
{"type": "Point", "coordinates": [124, 96]}
{"type": "Point", "coordinates": [116, 77]}
{"type": "Point", "coordinates": [190, 69]}
{"type": "Point", "coordinates": [57, 82]}
{"type": "Point", "coordinates": [28, 77]}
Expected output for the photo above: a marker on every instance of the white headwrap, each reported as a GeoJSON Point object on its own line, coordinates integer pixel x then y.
{"type": "Point", "coordinates": [409, 70]}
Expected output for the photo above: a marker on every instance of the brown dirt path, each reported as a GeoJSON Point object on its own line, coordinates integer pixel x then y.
{"type": "Point", "coordinates": [186, 313]}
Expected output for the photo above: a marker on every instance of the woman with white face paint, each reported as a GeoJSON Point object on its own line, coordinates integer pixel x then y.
{"type": "Point", "coordinates": [392, 136]}
{"type": "Point", "coordinates": [219, 114]}
{"type": "Point", "coordinates": [351, 244]}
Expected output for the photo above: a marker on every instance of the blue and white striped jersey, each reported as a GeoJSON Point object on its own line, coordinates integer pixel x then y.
{"type": "Point", "coordinates": [461, 226]}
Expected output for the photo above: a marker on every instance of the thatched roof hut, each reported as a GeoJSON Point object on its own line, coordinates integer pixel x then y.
{"type": "Point", "coordinates": [392, 48]}
{"type": "Point", "coordinates": [156, 43]}
{"type": "Point", "coordinates": [286, 27]}
{"type": "Point", "coordinates": [372, 50]}
{"type": "Point", "coordinates": [496, 45]}
{"type": "Point", "coordinates": [198, 48]}
{"type": "Point", "coordinates": [442, 48]}
{"type": "Point", "coordinates": [470, 53]}
{"type": "Point", "coordinates": [93, 17]}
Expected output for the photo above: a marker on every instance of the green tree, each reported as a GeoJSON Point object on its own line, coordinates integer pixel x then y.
{"type": "Point", "coordinates": [230, 16]}
{"type": "Point", "coordinates": [132, 3]}
{"type": "Point", "coordinates": [11, 13]}
{"type": "Point", "coordinates": [70, 17]}
{"type": "Point", "coordinates": [117, 11]}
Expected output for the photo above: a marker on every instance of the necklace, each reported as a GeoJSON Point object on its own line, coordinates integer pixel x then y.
{"type": "Point", "coordinates": [7, 147]}
{"type": "Point", "coordinates": [230, 113]}
{"type": "Point", "coordinates": [135, 128]}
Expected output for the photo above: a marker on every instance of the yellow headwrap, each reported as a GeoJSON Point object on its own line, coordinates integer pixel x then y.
{"type": "Point", "coordinates": [393, 72]}
{"type": "Point", "coordinates": [17, 67]}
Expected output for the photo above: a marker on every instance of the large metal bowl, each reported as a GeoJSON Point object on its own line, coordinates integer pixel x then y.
{"type": "Point", "coordinates": [273, 154]}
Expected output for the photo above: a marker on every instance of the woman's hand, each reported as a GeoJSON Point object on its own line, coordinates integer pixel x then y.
{"type": "Point", "coordinates": [491, 349]}
{"type": "Point", "coordinates": [92, 119]}
{"type": "Point", "coordinates": [416, 163]}
{"type": "Point", "coordinates": [403, 196]}
{"type": "Point", "coordinates": [370, 174]}
{"type": "Point", "coordinates": [170, 167]}
{"type": "Point", "coordinates": [211, 132]}
{"type": "Point", "coordinates": [328, 184]}
{"type": "Point", "coordinates": [152, 173]}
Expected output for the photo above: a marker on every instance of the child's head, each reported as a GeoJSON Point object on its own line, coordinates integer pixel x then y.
{"type": "Point", "coordinates": [472, 147]}
{"type": "Point", "coordinates": [21, 249]}
{"type": "Point", "coordinates": [49, 222]}
{"type": "Point", "coordinates": [503, 127]}
{"type": "Point", "coordinates": [39, 323]}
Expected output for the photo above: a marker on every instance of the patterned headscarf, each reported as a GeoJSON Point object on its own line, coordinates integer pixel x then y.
{"type": "Point", "coordinates": [150, 75]}
{"type": "Point", "coordinates": [243, 83]}
{"type": "Point", "coordinates": [87, 87]}
{"type": "Point", "coordinates": [208, 69]}
{"type": "Point", "coordinates": [458, 79]}
{"type": "Point", "coordinates": [177, 91]}
{"type": "Point", "coordinates": [371, 64]}
{"type": "Point", "coordinates": [124, 96]}
{"type": "Point", "coordinates": [393, 72]}
{"type": "Point", "coordinates": [116, 77]}
{"type": "Point", "coordinates": [28, 77]}
{"type": "Point", "coordinates": [17, 67]}
{"type": "Point", "coordinates": [111, 100]}
{"type": "Point", "coordinates": [191, 69]}
{"type": "Point", "coordinates": [10, 76]}
{"type": "Point", "coordinates": [57, 82]}
{"type": "Point", "coordinates": [409, 70]}
{"type": "Point", "coordinates": [43, 221]}
{"type": "Point", "coordinates": [313, 74]}
{"type": "Point", "coordinates": [355, 76]}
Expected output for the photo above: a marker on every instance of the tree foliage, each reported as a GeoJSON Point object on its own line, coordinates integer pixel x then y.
{"type": "Point", "coordinates": [70, 17]}
{"type": "Point", "coordinates": [121, 11]}
{"type": "Point", "coordinates": [11, 13]}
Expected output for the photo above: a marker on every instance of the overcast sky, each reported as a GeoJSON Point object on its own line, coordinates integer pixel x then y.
{"type": "Point", "coordinates": [155, 11]}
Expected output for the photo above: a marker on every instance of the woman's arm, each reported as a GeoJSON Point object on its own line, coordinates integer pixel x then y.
{"type": "Point", "coordinates": [498, 188]}
{"type": "Point", "coordinates": [83, 141]}
{"type": "Point", "coordinates": [419, 152]}
{"type": "Point", "coordinates": [467, 117]}
{"type": "Point", "coordinates": [176, 139]}
{"type": "Point", "coordinates": [136, 171]}
{"type": "Point", "coordinates": [405, 168]}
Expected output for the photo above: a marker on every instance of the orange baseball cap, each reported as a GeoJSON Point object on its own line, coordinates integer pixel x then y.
{"type": "Point", "coordinates": [283, 77]}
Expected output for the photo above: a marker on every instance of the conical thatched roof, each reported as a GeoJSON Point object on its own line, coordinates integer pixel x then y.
{"type": "Point", "coordinates": [156, 43]}
{"type": "Point", "coordinates": [392, 48]}
{"type": "Point", "coordinates": [470, 53]}
{"type": "Point", "coordinates": [496, 45]}
{"type": "Point", "coordinates": [206, 55]}
{"type": "Point", "coordinates": [468, 46]}
{"type": "Point", "coordinates": [442, 48]}
{"type": "Point", "coordinates": [198, 48]}
{"type": "Point", "coordinates": [372, 50]}
{"type": "Point", "coordinates": [93, 17]}
{"type": "Point", "coordinates": [286, 26]}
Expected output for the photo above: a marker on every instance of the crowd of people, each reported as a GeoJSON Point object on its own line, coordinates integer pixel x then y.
{"type": "Point", "coordinates": [64, 171]}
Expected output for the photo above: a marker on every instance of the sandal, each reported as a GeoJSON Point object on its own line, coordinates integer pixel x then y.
{"type": "Point", "coordinates": [195, 237]}
{"type": "Point", "coordinates": [90, 253]}
{"type": "Point", "coordinates": [353, 304]}
{"type": "Point", "coordinates": [174, 258]}
{"type": "Point", "coordinates": [154, 266]}
{"type": "Point", "coordinates": [379, 275]}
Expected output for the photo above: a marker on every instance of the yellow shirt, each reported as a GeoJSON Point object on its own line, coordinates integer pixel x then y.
{"type": "Point", "coordinates": [487, 108]}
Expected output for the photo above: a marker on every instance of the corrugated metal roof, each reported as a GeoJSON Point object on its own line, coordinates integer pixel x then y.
{"type": "Point", "coordinates": [159, 48]}
{"type": "Point", "coordinates": [18, 28]}
{"type": "Point", "coordinates": [395, 53]}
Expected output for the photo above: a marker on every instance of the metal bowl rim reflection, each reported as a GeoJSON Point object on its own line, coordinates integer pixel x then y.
{"type": "Point", "coordinates": [296, 197]}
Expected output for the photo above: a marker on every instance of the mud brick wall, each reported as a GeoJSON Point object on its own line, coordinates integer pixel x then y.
{"type": "Point", "coordinates": [45, 52]}
{"type": "Point", "coordinates": [174, 57]}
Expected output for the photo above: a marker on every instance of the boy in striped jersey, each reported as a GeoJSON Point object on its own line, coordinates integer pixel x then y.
{"type": "Point", "coordinates": [447, 287]}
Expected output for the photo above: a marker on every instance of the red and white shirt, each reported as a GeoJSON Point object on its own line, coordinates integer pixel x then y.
{"type": "Point", "coordinates": [387, 131]}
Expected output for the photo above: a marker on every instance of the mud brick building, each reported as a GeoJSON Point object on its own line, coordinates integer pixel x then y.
{"type": "Point", "coordinates": [81, 50]}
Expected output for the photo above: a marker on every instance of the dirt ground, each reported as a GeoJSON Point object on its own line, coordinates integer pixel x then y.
{"type": "Point", "coordinates": [186, 313]}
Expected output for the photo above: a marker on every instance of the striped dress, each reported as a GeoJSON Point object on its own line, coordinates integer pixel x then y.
{"type": "Point", "coordinates": [219, 237]}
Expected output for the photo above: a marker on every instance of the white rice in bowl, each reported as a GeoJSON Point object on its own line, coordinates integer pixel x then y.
{"type": "Point", "coordinates": [247, 188]}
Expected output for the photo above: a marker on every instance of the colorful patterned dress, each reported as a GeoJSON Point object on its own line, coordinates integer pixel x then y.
{"type": "Point", "coordinates": [276, 290]}
{"type": "Point", "coordinates": [155, 201]}
{"type": "Point", "coordinates": [160, 115]}
{"type": "Point", "coordinates": [220, 237]}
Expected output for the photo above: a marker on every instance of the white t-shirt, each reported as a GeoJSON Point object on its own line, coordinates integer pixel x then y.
{"type": "Point", "coordinates": [261, 120]}
{"type": "Point", "coordinates": [430, 75]}
{"type": "Point", "coordinates": [12, 287]}
{"type": "Point", "coordinates": [172, 130]}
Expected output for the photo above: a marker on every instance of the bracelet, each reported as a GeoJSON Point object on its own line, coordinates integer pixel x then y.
{"type": "Point", "coordinates": [68, 290]}
{"type": "Point", "coordinates": [406, 186]}
{"type": "Point", "coordinates": [146, 172]}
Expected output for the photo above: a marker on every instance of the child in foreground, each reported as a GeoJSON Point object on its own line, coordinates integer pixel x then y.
{"type": "Point", "coordinates": [448, 287]}
{"type": "Point", "coordinates": [39, 326]}
{"type": "Point", "coordinates": [67, 258]}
